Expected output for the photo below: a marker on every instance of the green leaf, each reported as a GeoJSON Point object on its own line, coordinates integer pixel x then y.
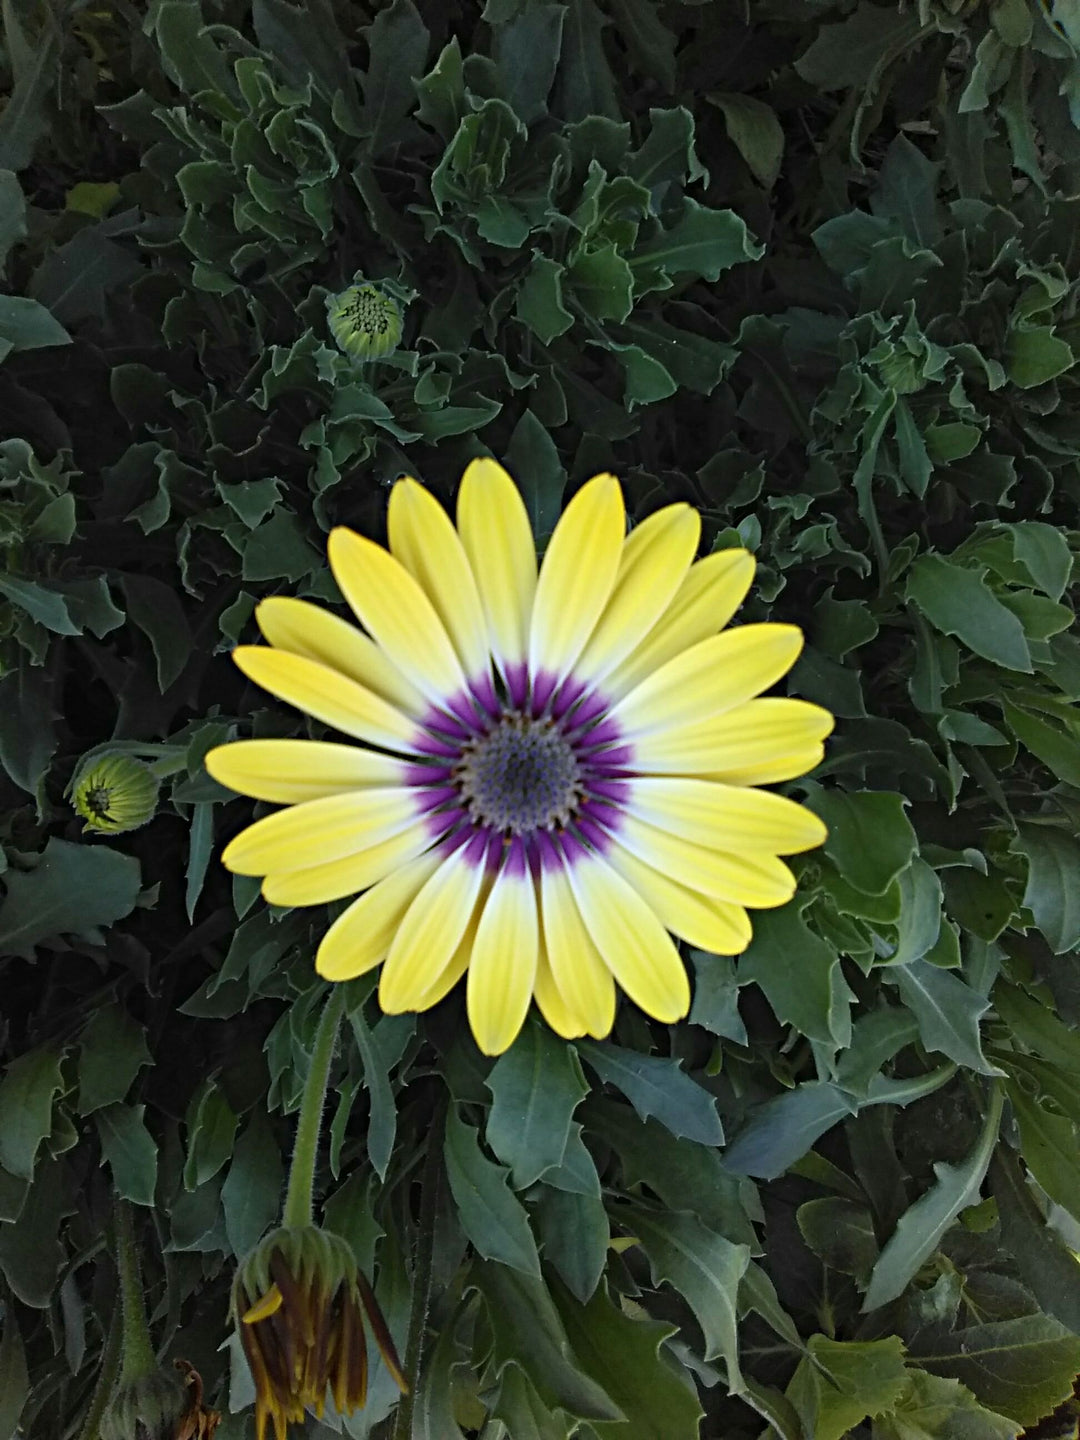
{"type": "Point", "coordinates": [1023, 1367]}
{"type": "Point", "coordinates": [574, 1236]}
{"type": "Point", "coordinates": [705, 1269]}
{"type": "Point", "coordinates": [702, 242]}
{"type": "Point", "coordinates": [1057, 749]}
{"type": "Point", "coordinates": [251, 1194]}
{"type": "Point", "coordinates": [491, 1215]}
{"type": "Point", "coordinates": [716, 996]}
{"type": "Point", "coordinates": [1052, 893]}
{"type": "Point", "coordinates": [947, 1010]}
{"type": "Point", "coordinates": [528, 1333]}
{"type": "Point", "coordinates": [1045, 1263]}
{"type": "Point", "coordinates": [539, 302]}
{"type": "Point", "coordinates": [25, 117]}
{"type": "Point", "coordinates": [755, 132]}
{"type": "Point", "coordinates": [278, 550]}
{"type": "Point", "coordinates": [129, 1149]}
{"type": "Point", "coordinates": [783, 1129]}
{"type": "Point", "coordinates": [958, 601]}
{"type": "Point", "coordinates": [211, 1129]}
{"type": "Point", "coordinates": [848, 53]}
{"type": "Point", "coordinates": [154, 607]}
{"type": "Point", "coordinates": [658, 1086]}
{"type": "Point", "coordinates": [812, 995]}
{"type": "Point", "coordinates": [645, 379]}
{"type": "Point", "coordinates": [906, 192]}
{"type": "Point", "coordinates": [933, 1408]}
{"type": "Point", "coordinates": [627, 1357]}
{"type": "Point", "coordinates": [870, 838]}
{"type": "Point", "coordinates": [526, 50]}
{"type": "Point", "coordinates": [40, 603]}
{"type": "Point", "coordinates": [840, 1232]}
{"type": "Point", "coordinates": [602, 282]}
{"type": "Point", "coordinates": [668, 152]}
{"type": "Point", "coordinates": [31, 1253]}
{"type": "Point", "coordinates": [685, 1175]}
{"type": "Point", "coordinates": [920, 1228]}
{"type": "Point", "coordinates": [112, 1051]}
{"type": "Point", "coordinates": [398, 46]}
{"type": "Point", "coordinates": [1049, 1146]}
{"type": "Point", "coordinates": [28, 738]}
{"type": "Point", "coordinates": [14, 1377]}
{"type": "Point", "coordinates": [1044, 552]}
{"type": "Point", "coordinates": [533, 460]}
{"type": "Point", "coordinates": [26, 325]}
{"type": "Point", "coordinates": [27, 1091]}
{"type": "Point", "coordinates": [919, 923]}
{"type": "Point", "coordinates": [840, 1382]}
{"type": "Point", "coordinates": [535, 1087]}
{"type": "Point", "coordinates": [72, 889]}
{"type": "Point", "coordinates": [190, 57]}
{"type": "Point", "coordinates": [522, 1412]}
{"type": "Point", "coordinates": [382, 1119]}
{"type": "Point", "coordinates": [74, 280]}
{"type": "Point", "coordinates": [1034, 355]}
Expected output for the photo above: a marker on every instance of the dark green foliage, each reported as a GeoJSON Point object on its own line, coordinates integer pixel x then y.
{"type": "Point", "coordinates": [815, 269]}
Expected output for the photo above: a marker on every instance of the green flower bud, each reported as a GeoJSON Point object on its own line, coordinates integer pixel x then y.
{"type": "Point", "coordinates": [366, 320]}
{"type": "Point", "coordinates": [114, 793]}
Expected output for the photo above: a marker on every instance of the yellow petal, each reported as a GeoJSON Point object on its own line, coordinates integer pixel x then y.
{"type": "Point", "coordinates": [577, 967]}
{"type": "Point", "coordinates": [328, 696]}
{"type": "Point", "coordinates": [714, 675]}
{"type": "Point", "coordinates": [758, 880]}
{"type": "Point", "coordinates": [738, 742]}
{"type": "Point", "coordinates": [577, 575]}
{"type": "Point", "coordinates": [459, 961]}
{"type": "Point", "coordinates": [360, 937]}
{"type": "Point", "coordinates": [503, 965]}
{"type": "Point", "coordinates": [725, 817]}
{"type": "Point", "coordinates": [424, 540]}
{"type": "Point", "coordinates": [498, 540]}
{"type": "Point", "coordinates": [269, 1305]}
{"type": "Point", "coordinates": [392, 606]}
{"type": "Point", "coordinates": [775, 769]}
{"type": "Point", "coordinates": [549, 999]}
{"type": "Point", "coordinates": [289, 771]}
{"type": "Point", "coordinates": [702, 921]}
{"type": "Point", "coordinates": [318, 831]}
{"type": "Point", "coordinates": [348, 876]}
{"type": "Point", "coordinates": [636, 948]}
{"type": "Point", "coordinates": [430, 932]}
{"type": "Point", "coordinates": [306, 629]}
{"type": "Point", "coordinates": [706, 600]}
{"type": "Point", "coordinates": [655, 558]}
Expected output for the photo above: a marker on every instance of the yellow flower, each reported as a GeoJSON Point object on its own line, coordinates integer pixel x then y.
{"type": "Point", "coordinates": [298, 1298]}
{"type": "Point", "coordinates": [555, 769]}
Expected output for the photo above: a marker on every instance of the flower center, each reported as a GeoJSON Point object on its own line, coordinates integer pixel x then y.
{"type": "Point", "coordinates": [522, 776]}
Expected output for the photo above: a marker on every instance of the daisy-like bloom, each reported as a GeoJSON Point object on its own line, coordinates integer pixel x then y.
{"type": "Point", "coordinates": [300, 1301]}
{"type": "Point", "coordinates": [555, 769]}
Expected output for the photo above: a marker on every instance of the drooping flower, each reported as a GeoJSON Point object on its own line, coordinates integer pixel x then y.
{"type": "Point", "coordinates": [366, 320]}
{"type": "Point", "coordinates": [299, 1301]}
{"type": "Point", "coordinates": [161, 1405]}
{"type": "Point", "coordinates": [555, 769]}
{"type": "Point", "coordinates": [114, 793]}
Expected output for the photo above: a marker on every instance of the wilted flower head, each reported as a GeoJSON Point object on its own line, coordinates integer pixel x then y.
{"type": "Point", "coordinates": [297, 1302]}
{"type": "Point", "coordinates": [366, 319]}
{"type": "Point", "coordinates": [163, 1405]}
{"type": "Point", "coordinates": [114, 792]}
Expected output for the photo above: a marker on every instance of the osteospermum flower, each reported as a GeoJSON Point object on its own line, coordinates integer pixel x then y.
{"type": "Point", "coordinates": [554, 770]}
{"type": "Point", "coordinates": [114, 793]}
{"type": "Point", "coordinates": [300, 1303]}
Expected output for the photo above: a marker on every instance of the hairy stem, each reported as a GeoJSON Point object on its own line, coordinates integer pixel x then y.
{"type": "Point", "coordinates": [430, 1183]}
{"type": "Point", "coordinates": [139, 1358]}
{"type": "Point", "coordinates": [298, 1199]}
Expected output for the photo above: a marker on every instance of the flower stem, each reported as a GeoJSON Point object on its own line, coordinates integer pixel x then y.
{"type": "Point", "coordinates": [139, 1358]}
{"type": "Point", "coordinates": [298, 1199]}
{"type": "Point", "coordinates": [106, 1381]}
{"type": "Point", "coordinates": [421, 1298]}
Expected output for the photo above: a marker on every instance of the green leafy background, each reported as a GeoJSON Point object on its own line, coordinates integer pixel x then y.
{"type": "Point", "coordinates": [813, 267]}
